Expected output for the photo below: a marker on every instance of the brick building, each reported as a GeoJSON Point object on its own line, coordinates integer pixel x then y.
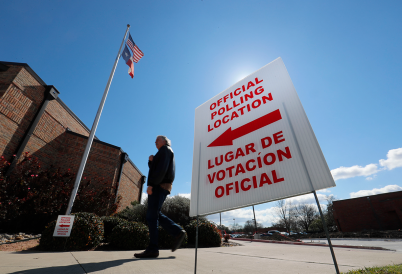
{"type": "Point", "coordinates": [34, 119]}
{"type": "Point", "coordinates": [379, 212]}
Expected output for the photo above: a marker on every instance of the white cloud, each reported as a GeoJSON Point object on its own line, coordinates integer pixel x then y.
{"type": "Point", "coordinates": [374, 191]}
{"type": "Point", "coordinates": [353, 171]}
{"type": "Point", "coordinates": [326, 190]}
{"type": "Point", "coordinates": [143, 197]}
{"type": "Point", "coordinates": [394, 159]}
{"type": "Point", "coordinates": [185, 195]}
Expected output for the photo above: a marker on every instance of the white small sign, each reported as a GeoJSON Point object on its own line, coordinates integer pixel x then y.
{"type": "Point", "coordinates": [63, 226]}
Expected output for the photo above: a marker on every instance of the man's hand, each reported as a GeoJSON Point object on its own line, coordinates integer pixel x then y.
{"type": "Point", "coordinates": [151, 157]}
{"type": "Point", "coordinates": [149, 189]}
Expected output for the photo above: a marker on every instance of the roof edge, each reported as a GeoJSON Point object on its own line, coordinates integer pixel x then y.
{"type": "Point", "coordinates": [28, 68]}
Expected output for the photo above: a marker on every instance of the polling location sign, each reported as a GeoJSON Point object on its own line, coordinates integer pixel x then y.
{"type": "Point", "coordinates": [63, 226]}
{"type": "Point", "coordinates": [253, 144]}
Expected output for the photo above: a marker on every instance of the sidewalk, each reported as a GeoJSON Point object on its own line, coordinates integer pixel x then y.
{"type": "Point", "coordinates": [252, 257]}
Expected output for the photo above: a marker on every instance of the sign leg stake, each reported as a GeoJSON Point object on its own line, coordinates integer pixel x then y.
{"type": "Point", "coordinates": [196, 247]}
{"type": "Point", "coordinates": [326, 232]}
{"type": "Point", "coordinates": [313, 190]}
{"type": "Point", "coordinates": [64, 248]}
{"type": "Point", "coordinates": [198, 197]}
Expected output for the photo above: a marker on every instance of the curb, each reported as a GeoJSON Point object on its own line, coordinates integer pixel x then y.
{"type": "Point", "coordinates": [301, 243]}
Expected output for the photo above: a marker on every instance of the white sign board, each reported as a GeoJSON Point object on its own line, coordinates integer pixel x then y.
{"type": "Point", "coordinates": [64, 226]}
{"type": "Point", "coordinates": [253, 144]}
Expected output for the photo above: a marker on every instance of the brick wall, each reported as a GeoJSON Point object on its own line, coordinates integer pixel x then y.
{"type": "Point", "coordinates": [20, 98]}
{"type": "Point", "coordinates": [130, 185]}
{"type": "Point", "coordinates": [60, 137]}
{"type": "Point", "coordinates": [382, 211]}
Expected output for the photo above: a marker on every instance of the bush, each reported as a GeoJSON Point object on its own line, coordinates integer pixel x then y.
{"type": "Point", "coordinates": [176, 208]}
{"type": "Point", "coordinates": [208, 234]}
{"type": "Point", "coordinates": [130, 235]}
{"type": "Point", "coordinates": [86, 234]}
{"type": "Point", "coordinates": [33, 196]}
{"type": "Point", "coordinates": [166, 241]}
{"type": "Point", "coordinates": [110, 223]}
{"type": "Point", "coordinates": [136, 213]}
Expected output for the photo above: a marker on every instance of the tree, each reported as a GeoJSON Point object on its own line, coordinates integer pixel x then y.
{"type": "Point", "coordinates": [223, 228]}
{"type": "Point", "coordinates": [32, 196]}
{"type": "Point", "coordinates": [306, 215]}
{"type": "Point", "coordinates": [286, 213]}
{"type": "Point", "coordinates": [249, 226]}
{"type": "Point", "coordinates": [329, 213]}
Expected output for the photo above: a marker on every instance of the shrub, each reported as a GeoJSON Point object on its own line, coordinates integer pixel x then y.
{"type": "Point", "coordinates": [130, 235]}
{"type": "Point", "coordinates": [32, 196]}
{"type": "Point", "coordinates": [110, 223]}
{"type": "Point", "coordinates": [87, 233]}
{"type": "Point", "coordinates": [176, 208]}
{"type": "Point", "coordinates": [166, 241]}
{"type": "Point", "coordinates": [208, 234]}
{"type": "Point", "coordinates": [136, 213]}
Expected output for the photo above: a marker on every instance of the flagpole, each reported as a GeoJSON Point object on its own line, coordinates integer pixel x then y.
{"type": "Point", "coordinates": [93, 130]}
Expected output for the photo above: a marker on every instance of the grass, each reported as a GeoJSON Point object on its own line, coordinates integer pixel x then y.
{"type": "Point", "coordinates": [389, 269]}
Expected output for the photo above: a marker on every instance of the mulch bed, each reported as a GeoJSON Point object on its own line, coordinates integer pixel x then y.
{"type": "Point", "coordinates": [21, 246]}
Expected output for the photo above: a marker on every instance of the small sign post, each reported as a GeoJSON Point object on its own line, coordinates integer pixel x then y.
{"type": "Point", "coordinates": [64, 226]}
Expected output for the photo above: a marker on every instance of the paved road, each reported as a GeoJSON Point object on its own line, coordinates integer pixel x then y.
{"type": "Point", "coordinates": [393, 244]}
{"type": "Point", "coordinates": [252, 257]}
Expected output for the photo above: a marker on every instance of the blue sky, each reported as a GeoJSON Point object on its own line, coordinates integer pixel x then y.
{"type": "Point", "coordinates": [344, 59]}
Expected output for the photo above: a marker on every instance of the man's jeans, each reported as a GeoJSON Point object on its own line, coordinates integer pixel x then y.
{"type": "Point", "coordinates": [156, 218]}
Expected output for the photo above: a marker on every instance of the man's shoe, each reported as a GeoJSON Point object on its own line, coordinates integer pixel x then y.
{"type": "Point", "coordinates": [147, 254]}
{"type": "Point", "coordinates": [178, 240]}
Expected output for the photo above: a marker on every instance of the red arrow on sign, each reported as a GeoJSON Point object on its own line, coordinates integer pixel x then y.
{"type": "Point", "coordinates": [64, 225]}
{"type": "Point", "coordinates": [226, 138]}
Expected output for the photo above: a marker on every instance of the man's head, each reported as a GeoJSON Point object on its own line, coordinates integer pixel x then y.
{"type": "Point", "coordinates": [161, 141]}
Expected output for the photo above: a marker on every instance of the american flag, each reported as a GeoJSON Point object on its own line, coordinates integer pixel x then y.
{"type": "Point", "coordinates": [137, 53]}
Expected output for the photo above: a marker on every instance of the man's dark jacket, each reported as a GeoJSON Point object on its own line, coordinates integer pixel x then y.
{"type": "Point", "coordinates": [162, 167]}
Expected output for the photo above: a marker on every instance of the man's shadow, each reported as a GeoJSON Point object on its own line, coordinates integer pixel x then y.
{"type": "Point", "coordinates": [84, 267]}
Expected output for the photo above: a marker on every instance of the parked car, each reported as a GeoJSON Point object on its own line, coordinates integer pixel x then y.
{"type": "Point", "coordinates": [285, 233]}
{"type": "Point", "coordinates": [273, 232]}
{"type": "Point", "coordinates": [265, 234]}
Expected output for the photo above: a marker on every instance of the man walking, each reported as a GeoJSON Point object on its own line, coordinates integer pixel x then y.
{"type": "Point", "coordinates": [160, 178]}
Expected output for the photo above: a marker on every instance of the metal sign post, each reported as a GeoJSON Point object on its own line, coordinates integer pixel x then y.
{"type": "Point", "coordinates": [326, 233]}
{"type": "Point", "coordinates": [198, 196]}
{"type": "Point", "coordinates": [255, 221]}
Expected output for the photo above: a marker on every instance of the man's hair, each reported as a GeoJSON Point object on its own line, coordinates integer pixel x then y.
{"type": "Point", "coordinates": [168, 142]}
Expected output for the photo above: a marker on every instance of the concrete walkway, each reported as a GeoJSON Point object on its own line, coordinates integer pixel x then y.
{"type": "Point", "coordinates": [252, 257]}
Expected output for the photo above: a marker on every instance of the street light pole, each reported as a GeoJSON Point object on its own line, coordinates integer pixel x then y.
{"type": "Point", "coordinates": [255, 221]}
